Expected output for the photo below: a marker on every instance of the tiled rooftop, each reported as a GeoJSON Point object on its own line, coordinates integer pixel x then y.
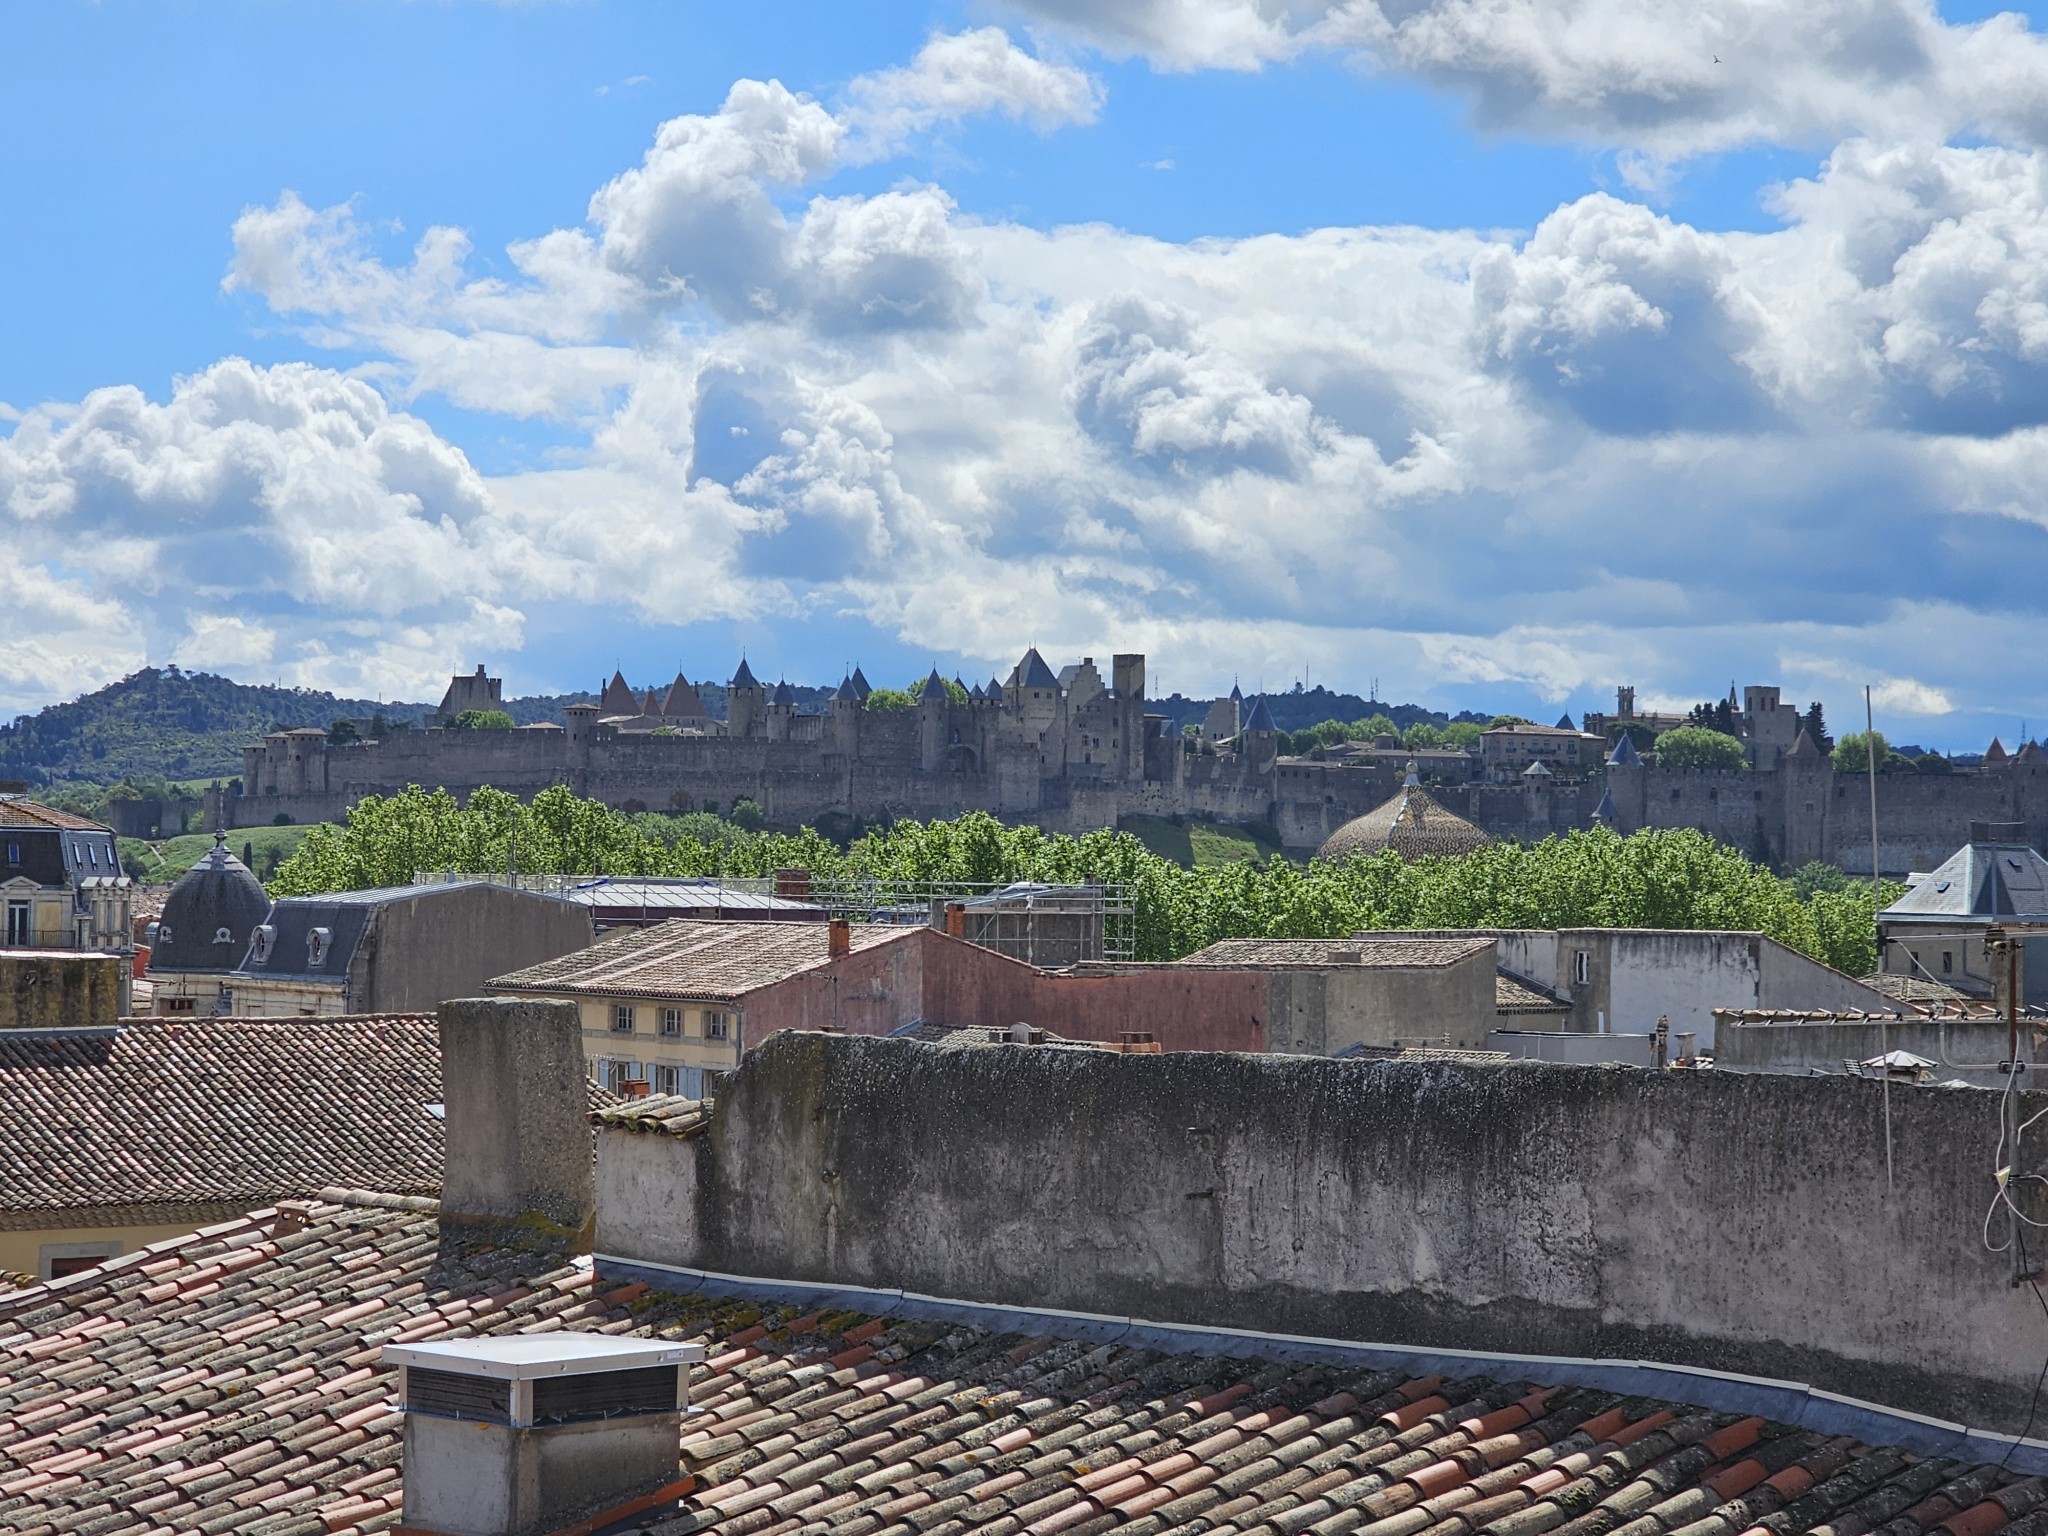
{"type": "Point", "coordinates": [686, 959]}
{"type": "Point", "coordinates": [17, 812]}
{"type": "Point", "coordinates": [218, 1110]}
{"type": "Point", "coordinates": [1513, 995]}
{"type": "Point", "coordinates": [1361, 950]}
{"type": "Point", "coordinates": [230, 1381]}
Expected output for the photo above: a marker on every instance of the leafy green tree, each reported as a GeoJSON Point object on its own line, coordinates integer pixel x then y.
{"type": "Point", "coordinates": [483, 720]}
{"type": "Point", "coordinates": [342, 732]}
{"type": "Point", "coordinates": [748, 816]}
{"type": "Point", "coordinates": [1851, 755]}
{"type": "Point", "coordinates": [1421, 736]}
{"type": "Point", "coordinates": [1693, 746]}
{"type": "Point", "coordinates": [1653, 879]}
{"type": "Point", "coordinates": [1464, 734]}
{"type": "Point", "coordinates": [890, 698]}
{"type": "Point", "coordinates": [1509, 720]}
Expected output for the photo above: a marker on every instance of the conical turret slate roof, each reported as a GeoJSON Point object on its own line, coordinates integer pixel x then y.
{"type": "Point", "coordinates": [744, 678]}
{"type": "Point", "coordinates": [846, 693]}
{"type": "Point", "coordinates": [1261, 718]}
{"type": "Point", "coordinates": [682, 701]}
{"type": "Point", "coordinates": [1624, 754]}
{"type": "Point", "coordinates": [860, 685]}
{"type": "Point", "coordinates": [782, 694]}
{"type": "Point", "coordinates": [934, 688]}
{"type": "Point", "coordinates": [618, 697]}
{"type": "Point", "coordinates": [1032, 672]}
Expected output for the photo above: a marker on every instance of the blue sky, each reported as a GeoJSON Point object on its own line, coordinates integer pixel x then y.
{"type": "Point", "coordinates": [1584, 396]}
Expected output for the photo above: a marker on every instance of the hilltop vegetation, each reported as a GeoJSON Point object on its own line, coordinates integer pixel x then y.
{"type": "Point", "coordinates": [1653, 879]}
{"type": "Point", "coordinates": [166, 725]}
{"type": "Point", "coordinates": [163, 723]}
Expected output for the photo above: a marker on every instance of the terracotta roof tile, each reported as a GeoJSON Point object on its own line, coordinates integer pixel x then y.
{"type": "Point", "coordinates": [115, 1408]}
{"type": "Point", "coordinates": [685, 958]}
{"type": "Point", "coordinates": [1361, 950]}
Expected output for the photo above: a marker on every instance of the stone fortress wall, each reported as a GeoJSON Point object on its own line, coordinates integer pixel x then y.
{"type": "Point", "coordinates": [1075, 751]}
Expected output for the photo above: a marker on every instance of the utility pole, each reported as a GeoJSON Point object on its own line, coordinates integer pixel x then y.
{"type": "Point", "coordinates": [1870, 760]}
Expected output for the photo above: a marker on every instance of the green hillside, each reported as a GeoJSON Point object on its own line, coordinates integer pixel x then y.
{"type": "Point", "coordinates": [162, 723]}
{"type": "Point", "coordinates": [1194, 844]}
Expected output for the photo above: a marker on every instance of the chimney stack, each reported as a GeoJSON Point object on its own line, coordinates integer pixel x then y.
{"type": "Point", "coordinates": [524, 1434]}
{"type": "Point", "coordinates": [838, 938]}
{"type": "Point", "coordinates": [956, 919]}
{"type": "Point", "coordinates": [794, 883]}
{"type": "Point", "coordinates": [515, 1127]}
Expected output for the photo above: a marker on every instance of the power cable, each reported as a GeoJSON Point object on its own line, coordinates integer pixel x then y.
{"type": "Point", "coordinates": [2033, 1403]}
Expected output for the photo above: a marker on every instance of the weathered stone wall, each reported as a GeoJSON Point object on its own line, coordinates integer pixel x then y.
{"type": "Point", "coordinates": [1735, 1221]}
{"type": "Point", "coordinates": [58, 989]}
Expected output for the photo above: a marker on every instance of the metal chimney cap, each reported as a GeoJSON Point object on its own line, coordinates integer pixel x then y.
{"type": "Point", "coordinates": [528, 1356]}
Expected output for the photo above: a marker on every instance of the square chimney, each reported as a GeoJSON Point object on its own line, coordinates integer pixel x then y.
{"type": "Point", "coordinates": [527, 1433]}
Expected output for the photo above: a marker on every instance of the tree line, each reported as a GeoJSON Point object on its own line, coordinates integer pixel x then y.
{"type": "Point", "coordinates": [1650, 879]}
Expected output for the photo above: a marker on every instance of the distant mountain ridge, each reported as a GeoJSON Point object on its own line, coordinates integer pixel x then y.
{"type": "Point", "coordinates": [162, 722]}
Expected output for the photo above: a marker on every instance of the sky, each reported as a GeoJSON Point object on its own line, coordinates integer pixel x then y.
{"type": "Point", "coordinates": [1486, 353]}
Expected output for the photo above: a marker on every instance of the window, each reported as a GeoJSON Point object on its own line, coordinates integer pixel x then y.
{"type": "Point", "coordinates": [1948, 961]}
{"type": "Point", "coordinates": [18, 931]}
{"type": "Point", "coordinates": [180, 1004]}
{"type": "Point", "coordinates": [717, 1026]}
{"type": "Point", "coordinates": [318, 942]}
{"type": "Point", "coordinates": [56, 1260]}
{"type": "Point", "coordinates": [615, 1072]}
{"type": "Point", "coordinates": [14, 853]}
{"type": "Point", "coordinates": [1582, 967]}
{"type": "Point", "coordinates": [223, 936]}
{"type": "Point", "coordinates": [671, 1023]}
{"type": "Point", "coordinates": [622, 1019]}
{"type": "Point", "coordinates": [260, 942]}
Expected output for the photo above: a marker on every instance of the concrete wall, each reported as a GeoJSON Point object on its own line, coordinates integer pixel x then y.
{"type": "Point", "coordinates": [59, 989]}
{"type": "Point", "coordinates": [1634, 976]}
{"type": "Point", "coordinates": [1315, 1010]}
{"type": "Point", "coordinates": [1967, 1049]}
{"type": "Point", "coordinates": [1730, 1220]}
{"type": "Point", "coordinates": [1572, 1046]}
{"type": "Point", "coordinates": [450, 941]}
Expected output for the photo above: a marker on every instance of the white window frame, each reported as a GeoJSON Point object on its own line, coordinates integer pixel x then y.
{"type": "Point", "coordinates": [625, 1019]}
{"type": "Point", "coordinates": [672, 1023]}
{"type": "Point", "coordinates": [717, 1025]}
{"type": "Point", "coordinates": [1582, 967]}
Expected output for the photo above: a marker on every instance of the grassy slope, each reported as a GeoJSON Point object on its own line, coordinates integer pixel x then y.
{"type": "Point", "coordinates": [1203, 844]}
{"type": "Point", "coordinates": [270, 845]}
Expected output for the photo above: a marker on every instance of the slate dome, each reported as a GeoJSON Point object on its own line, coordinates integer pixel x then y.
{"type": "Point", "coordinates": [1412, 824]}
{"type": "Point", "coordinates": [209, 914]}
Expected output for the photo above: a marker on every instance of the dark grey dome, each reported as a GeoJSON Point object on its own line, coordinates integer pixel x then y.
{"type": "Point", "coordinates": [208, 916]}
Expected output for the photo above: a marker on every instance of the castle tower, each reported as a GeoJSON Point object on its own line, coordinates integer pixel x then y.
{"type": "Point", "coordinates": [843, 718]}
{"type": "Point", "coordinates": [746, 703]}
{"type": "Point", "coordinates": [933, 705]}
{"type": "Point", "coordinates": [652, 706]}
{"type": "Point", "coordinates": [781, 712]}
{"type": "Point", "coordinates": [1260, 738]}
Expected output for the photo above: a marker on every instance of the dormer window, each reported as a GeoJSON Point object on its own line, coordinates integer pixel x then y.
{"type": "Point", "coordinates": [223, 936]}
{"type": "Point", "coordinates": [262, 939]}
{"type": "Point", "coordinates": [162, 934]}
{"type": "Point", "coordinates": [318, 942]}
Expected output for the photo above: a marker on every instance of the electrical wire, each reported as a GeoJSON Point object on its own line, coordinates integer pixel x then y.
{"type": "Point", "coordinates": [2034, 1403]}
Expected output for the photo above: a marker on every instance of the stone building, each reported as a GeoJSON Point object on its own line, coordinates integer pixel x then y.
{"type": "Point", "coordinates": [61, 885]}
{"type": "Point", "coordinates": [1077, 750]}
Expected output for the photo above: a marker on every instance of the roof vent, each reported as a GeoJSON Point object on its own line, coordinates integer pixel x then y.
{"type": "Point", "coordinates": [529, 1433]}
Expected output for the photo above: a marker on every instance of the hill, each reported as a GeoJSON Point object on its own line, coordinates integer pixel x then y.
{"type": "Point", "coordinates": [163, 723]}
